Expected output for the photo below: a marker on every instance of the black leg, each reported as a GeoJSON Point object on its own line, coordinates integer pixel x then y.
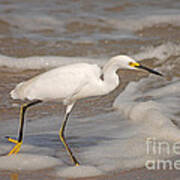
{"type": "Point", "coordinates": [19, 142]}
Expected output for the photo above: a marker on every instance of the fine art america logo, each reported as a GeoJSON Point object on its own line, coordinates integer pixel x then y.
{"type": "Point", "coordinates": [159, 148]}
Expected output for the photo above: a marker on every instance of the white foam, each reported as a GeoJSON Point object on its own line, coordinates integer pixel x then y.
{"type": "Point", "coordinates": [161, 52]}
{"type": "Point", "coordinates": [39, 62]}
{"type": "Point", "coordinates": [28, 162]}
{"type": "Point", "coordinates": [161, 104]}
{"type": "Point", "coordinates": [78, 172]}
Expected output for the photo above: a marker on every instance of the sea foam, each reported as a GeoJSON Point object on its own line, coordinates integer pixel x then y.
{"type": "Point", "coordinates": [40, 62]}
{"type": "Point", "coordinates": [78, 172]}
{"type": "Point", "coordinates": [28, 162]}
{"type": "Point", "coordinates": [161, 53]}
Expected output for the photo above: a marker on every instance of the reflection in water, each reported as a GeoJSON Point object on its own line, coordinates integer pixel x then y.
{"type": "Point", "coordinates": [14, 176]}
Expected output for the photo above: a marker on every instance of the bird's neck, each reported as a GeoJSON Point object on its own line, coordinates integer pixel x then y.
{"type": "Point", "coordinates": [110, 77]}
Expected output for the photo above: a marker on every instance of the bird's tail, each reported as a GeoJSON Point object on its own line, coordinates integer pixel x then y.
{"type": "Point", "coordinates": [15, 93]}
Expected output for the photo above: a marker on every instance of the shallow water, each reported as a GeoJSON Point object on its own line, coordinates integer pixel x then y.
{"type": "Point", "coordinates": [107, 133]}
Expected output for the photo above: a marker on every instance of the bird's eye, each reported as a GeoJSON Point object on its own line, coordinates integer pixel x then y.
{"type": "Point", "coordinates": [131, 64]}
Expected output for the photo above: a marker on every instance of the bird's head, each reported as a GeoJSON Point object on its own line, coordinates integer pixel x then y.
{"type": "Point", "coordinates": [126, 62]}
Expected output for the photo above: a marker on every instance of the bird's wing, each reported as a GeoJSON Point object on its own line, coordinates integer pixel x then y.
{"type": "Point", "coordinates": [60, 83]}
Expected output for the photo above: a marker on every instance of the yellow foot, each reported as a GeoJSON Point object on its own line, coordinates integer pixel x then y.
{"type": "Point", "coordinates": [12, 140]}
{"type": "Point", "coordinates": [16, 148]}
{"type": "Point", "coordinates": [77, 164]}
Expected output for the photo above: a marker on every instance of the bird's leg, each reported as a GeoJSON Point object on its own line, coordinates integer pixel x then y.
{"type": "Point", "coordinates": [19, 142]}
{"type": "Point", "coordinates": [62, 136]}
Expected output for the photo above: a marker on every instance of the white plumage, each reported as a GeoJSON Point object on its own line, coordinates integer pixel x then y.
{"type": "Point", "coordinates": [62, 83]}
{"type": "Point", "coordinates": [72, 82]}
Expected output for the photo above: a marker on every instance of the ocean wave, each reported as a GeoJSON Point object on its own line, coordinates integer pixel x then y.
{"type": "Point", "coordinates": [161, 53]}
{"type": "Point", "coordinates": [139, 23]}
{"type": "Point", "coordinates": [41, 62]}
{"type": "Point", "coordinates": [34, 22]}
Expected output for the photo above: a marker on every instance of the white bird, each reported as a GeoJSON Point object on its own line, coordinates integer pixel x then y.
{"type": "Point", "coordinates": [69, 84]}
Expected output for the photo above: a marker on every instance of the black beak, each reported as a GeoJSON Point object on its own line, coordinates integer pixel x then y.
{"type": "Point", "coordinates": [149, 70]}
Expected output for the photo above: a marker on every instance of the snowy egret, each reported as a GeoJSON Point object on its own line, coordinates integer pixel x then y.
{"type": "Point", "coordinates": [68, 84]}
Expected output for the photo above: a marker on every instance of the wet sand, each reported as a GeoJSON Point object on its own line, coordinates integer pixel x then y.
{"type": "Point", "coordinates": [135, 174]}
